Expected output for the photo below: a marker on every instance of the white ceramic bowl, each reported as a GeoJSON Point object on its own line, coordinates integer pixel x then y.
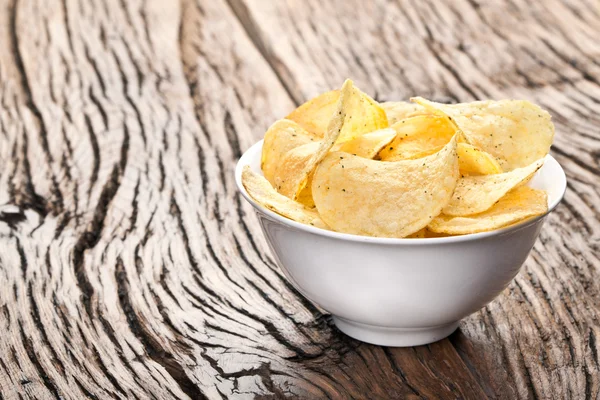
{"type": "Point", "coordinates": [400, 292]}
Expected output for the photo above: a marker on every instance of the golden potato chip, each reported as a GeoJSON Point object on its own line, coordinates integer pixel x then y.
{"type": "Point", "coordinates": [305, 197]}
{"type": "Point", "coordinates": [297, 164]}
{"type": "Point", "coordinates": [475, 194]}
{"type": "Point", "coordinates": [385, 199]}
{"type": "Point", "coordinates": [315, 114]}
{"type": "Point", "coordinates": [363, 113]}
{"type": "Point", "coordinates": [418, 136]}
{"type": "Point", "coordinates": [472, 161]}
{"type": "Point", "coordinates": [399, 110]}
{"type": "Point", "coordinates": [518, 205]}
{"type": "Point", "coordinates": [432, 234]}
{"type": "Point", "coordinates": [282, 136]}
{"type": "Point", "coordinates": [516, 132]}
{"type": "Point", "coordinates": [261, 190]}
{"type": "Point", "coordinates": [418, 234]}
{"type": "Point", "coordinates": [367, 145]}
{"type": "Point", "coordinates": [292, 166]}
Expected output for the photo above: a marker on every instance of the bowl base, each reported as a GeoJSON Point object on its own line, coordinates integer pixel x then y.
{"type": "Point", "coordinates": [394, 337]}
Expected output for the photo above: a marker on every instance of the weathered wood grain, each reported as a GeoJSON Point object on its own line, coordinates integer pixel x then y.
{"type": "Point", "coordinates": [131, 268]}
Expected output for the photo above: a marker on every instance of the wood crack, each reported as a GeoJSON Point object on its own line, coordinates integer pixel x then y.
{"type": "Point", "coordinates": [154, 349]}
{"type": "Point", "coordinates": [242, 14]}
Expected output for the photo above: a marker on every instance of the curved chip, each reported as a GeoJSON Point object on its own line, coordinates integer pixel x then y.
{"type": "Point", "coordinates": [385, 199]}
{"type": "Point", "coordinates": [475, 194]}
{"type": "Point", "coordinates": [367, 146]}
{"type": "Point", "coordinates": [431, 234]}
{"type": "Point", "coordinates": [363, 113]}
{"type": "Point", "coordinates": [315, 114]}
{"type": "Point", "coordinates": [282, 136]}
{"type": "Point", "coordinates": [418, 136]}
{"type": "Point", "coordinates": [305, 197]}
{"type": "Point", "coordinates": [261, 190]}
{"type": "Point", "coordinates": [399, 110]}
{"type": "Point", "coordinates": [420, 234]}
{"type": "Point", "coordinates": [293, 168]}
{"type": "Point", "coordinates": [516, 132]}
{"type": "Point", "coordinates": [297, 164]}
{"type": "Point", "coordinates": [519, 204]}
{"type": "Point", "coordinates": [472, 161]}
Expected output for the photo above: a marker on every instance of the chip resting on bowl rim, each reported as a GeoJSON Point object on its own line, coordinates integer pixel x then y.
{"type": "Point", "coordinates": [516, 132]}
{"type": "Point", "coordinates": [263, 193]}
{"type": "Point", "coordinates": [516, 206]}
{"type": "Point", "coordinates": [475, 194]}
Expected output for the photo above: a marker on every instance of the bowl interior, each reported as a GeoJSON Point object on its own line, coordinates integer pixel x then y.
{"type": "Point", "coordinates": [550, 178]}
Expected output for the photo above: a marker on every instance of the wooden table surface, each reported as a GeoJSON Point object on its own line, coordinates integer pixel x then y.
{"type": "Point", "coordinates": [130, 267]}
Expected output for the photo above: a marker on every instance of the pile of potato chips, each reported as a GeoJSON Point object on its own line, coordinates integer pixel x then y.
{"type": "Point", "coordinates": [346, 163]}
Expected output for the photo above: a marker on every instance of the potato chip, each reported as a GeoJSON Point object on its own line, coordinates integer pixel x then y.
{"type": "Point", "coordinates": [418, 137]}
{"type": "Point", "coordinates": [367, 145]}
{"type": "Point", "coordinates": [261, 190]}
{"type": "Point", "coordinates": [282, 136]}
{"type": "Point", "coordinates": [292, 166]}
{"type": "Point", "coordinates": [420, 234]}
{"type": "Point", "coordinates": [473, 161]}
{"type": "Point", "coordinates": [518, 205]}
{"type": "Point", "coordinates": [475, 194]}
{"type": "Point", "coordinates": [297, 164]}
{"type": "Point", "coordinates": [385, 199]}
{"type": "Point", "coordinates": [516, 132]}
{"type": "Point", "coordinates": [364, 114]}
{"type": "Point", "coordinates": [315, 114]}
{"type": "Point", "coordinates": [431, 234]}
{"type": "Point", "coordinates": [399, 110]}
{"type": "Point", "coordinates": [305, 197]}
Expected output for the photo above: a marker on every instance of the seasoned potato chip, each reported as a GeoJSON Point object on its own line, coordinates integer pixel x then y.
{"type": "Point", "coordinates": [261, 190]}
{"type": "Point", "coordinates": [475, 194]}
{"type": "Point", "coordinates": [431, 234]}
{"type": "Point", "coordinates": [472, 161]}
{"type": "Point", "coordinates": [290, 168]}
{"type": "Point", "coordinates": [282, 136]}
{"type": "Point", "coordinates": [367, 145]}
{"type": "Point", "coordinates": [385, 199]}
{"type": "Point", "coordinates": [364, 114]}
{"type": "Point", "coordinates": [418, 234]}
{"type": "Point", "coordinates": [315, 114]}
{"type": "Point", "coordinates": [418, 136]}
{"type": "Point", "coordinates": [399, 110]}
{"type": "Point", "coordinates": [516, 132]}
{"type": "Point", "coordinates": [297, 164]}
{"type": "Point", "coordinates": [519, 204]}
{"type": "Point", "coordinates": [305, 197]}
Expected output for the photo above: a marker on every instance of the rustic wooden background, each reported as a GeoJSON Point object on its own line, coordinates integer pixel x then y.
{"type": "Point", "coordinates": [131, 268]}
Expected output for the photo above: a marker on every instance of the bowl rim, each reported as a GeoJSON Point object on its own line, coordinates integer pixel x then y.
{"type": "Point", "coordinates": [387, 241]}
